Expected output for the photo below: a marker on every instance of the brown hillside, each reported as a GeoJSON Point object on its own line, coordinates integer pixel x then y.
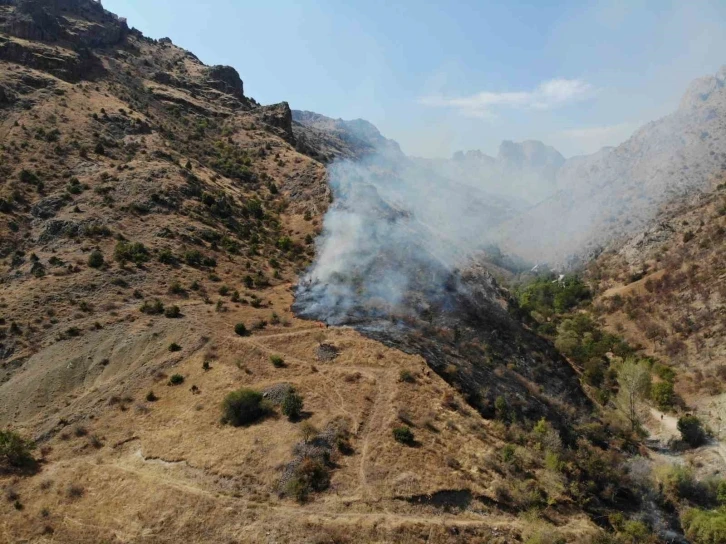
{"type": "Point", "coordinates": [132, 173]}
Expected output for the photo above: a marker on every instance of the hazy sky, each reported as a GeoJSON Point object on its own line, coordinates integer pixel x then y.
{"type": "Point", "coordinates": [449, 75]}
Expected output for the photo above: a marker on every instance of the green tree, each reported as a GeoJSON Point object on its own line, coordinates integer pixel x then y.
{"type": "Point", "coordinates": [662, 394]}
{"type": "Point", "coordinates": [691, 430]}
{"type": "Point", "coordinates": [634, 381]}
{"type": "Point", "coordinates": [292, 405]}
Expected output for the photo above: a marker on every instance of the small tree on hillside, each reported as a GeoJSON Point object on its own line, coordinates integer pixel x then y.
{"type": "Point", "coordinates": [634, 381]}
{"type": "Point", "coordinates": [691, 430]}
{"type": "Point", "coordinates": [292, 405]}
{"type": "Point", "coordinates": [15, 451]}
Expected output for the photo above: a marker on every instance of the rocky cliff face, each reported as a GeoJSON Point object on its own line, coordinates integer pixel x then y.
{"type": "Point", "coordinates": [331, 139]}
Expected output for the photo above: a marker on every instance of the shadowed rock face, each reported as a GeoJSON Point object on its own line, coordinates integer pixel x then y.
{"type": "Point", "coordinates": [226, 80]}
{"type": "Point", "coordinates": [45, 20]}
{"type": "Point", "coordinates": [328, 139]}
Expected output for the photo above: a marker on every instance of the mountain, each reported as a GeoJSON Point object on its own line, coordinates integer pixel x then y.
{"type": "Point", "coordinates": [619, 190]}
{"type": "Point", "coordinates": [224, 321]}
{"type": "Point", "coordinates": [525, 172]}
{"type": "Point", "coordinates": [154, 220]}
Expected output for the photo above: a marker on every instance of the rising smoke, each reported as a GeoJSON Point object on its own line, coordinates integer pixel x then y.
{"type": "Point", "coordinates": [394, 239]}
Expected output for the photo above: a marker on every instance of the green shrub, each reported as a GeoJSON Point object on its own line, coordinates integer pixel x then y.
{"type": "Point", "coordinates": [662, 394]}
{"type": "Point", "coordinates": [95, 259]}
{"type": "Point", "coordinates": [174, 347]}
{"type": "Point", "coordinates": [508, 453]}
{"type": "Point", "coordinates": [277, 361]}
{"type": "Point", "coordinates": [15, 451]}
{"type": "Point", "coordinates": [172, 312]}
{"type": "Point", "coordinates": [151, 397]}
{"type": "Point", "coordinates": [705, 526]}
{"type": "Point", "coordinates": [292, 405]}
{"type": "Point", "coordinates": [26, 176]}
{"type": "Point", "coordinates": [243, 407]}
{"type": "Point", "coordinates": [240, 329]}
{"type": "Point", "coordinates": [407, 376]}
{"type": "Point", "coordinates": [193, 257]}
{"type": "Point", "coordinates": [309, 475]}
{"type": "Point", "coordinates": [284, 243]}
{"type": "Point", "coordinates": [134, 252]}
{"type": "Point", "coordinates": [679, 483]}
{"type": "Point", "coordinates": [154, 308]}
{"type": "Point", "coordinates": [176, 379]}
{"type": "Point", "coordinates": [166, 257]}
{"type": "Point", "coordinates": [692, 431]}
{"type": "Point", "coordinates": [721, 493]}
{"type": "Point", "coordinates": [404, 435]}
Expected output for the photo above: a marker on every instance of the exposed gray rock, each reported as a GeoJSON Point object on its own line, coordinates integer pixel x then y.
{"type": "Point", "coordinates": [47, 207]}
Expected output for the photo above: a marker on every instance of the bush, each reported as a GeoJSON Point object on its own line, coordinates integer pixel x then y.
{"type": "Point", "coordinates": [154, 308]}
{"type": "Point", "coordinates": [166, 257]}
{"type": "Point", "coordinates": [721, 493]}
{"type": "Point", "coordinates": [691, 430]}
{"type": "Point", "coordinates": [292, 405]}
{"type": "Point", "coordinates": [404, 435]}
{"type": "Point", "coordinates": [176, 379]}
{"type": "Point", "coordinates": [193, 257]}
{"type": "Point", "coordinates": [172, 312]}
{"type": "Point", "coordinates": [134, 252]}
{"type": "Point", "coordinates": [26, 176]}
{"type": "Point", "coordinates": [151, 397]}
{"type": "Point", "coordinates": [15, 451]}
{"type": "Point", "coordinates": [174, 347]}
{"type": "Point", "coordinates": [310, 475]}
{"type": "Point", "coordinates": [243, 407]}
{"type": "Point", "coordinates": [662, 394]}
{"type": "Point", "coordinates": [679, 483]}
{"type": "Point", "coordinates": [277, 361]}
{"type": "Point", "coordinates": [407, 376]}
{"type": "Point", "coordinates": [705, 526]}
{"type": "Point", "coordinates": [95, 259]}
{"type": "Point", "coordinates": [240, 329]}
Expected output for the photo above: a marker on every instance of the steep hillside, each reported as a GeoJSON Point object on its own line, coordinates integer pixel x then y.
{"type": "Point", "coordinates": [154, 219]}
{"type": "Point", "coordinates": [665, 289]}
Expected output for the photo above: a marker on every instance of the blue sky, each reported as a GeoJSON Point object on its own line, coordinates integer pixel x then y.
{"type": "Point", "coordinates": [444, 76]}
